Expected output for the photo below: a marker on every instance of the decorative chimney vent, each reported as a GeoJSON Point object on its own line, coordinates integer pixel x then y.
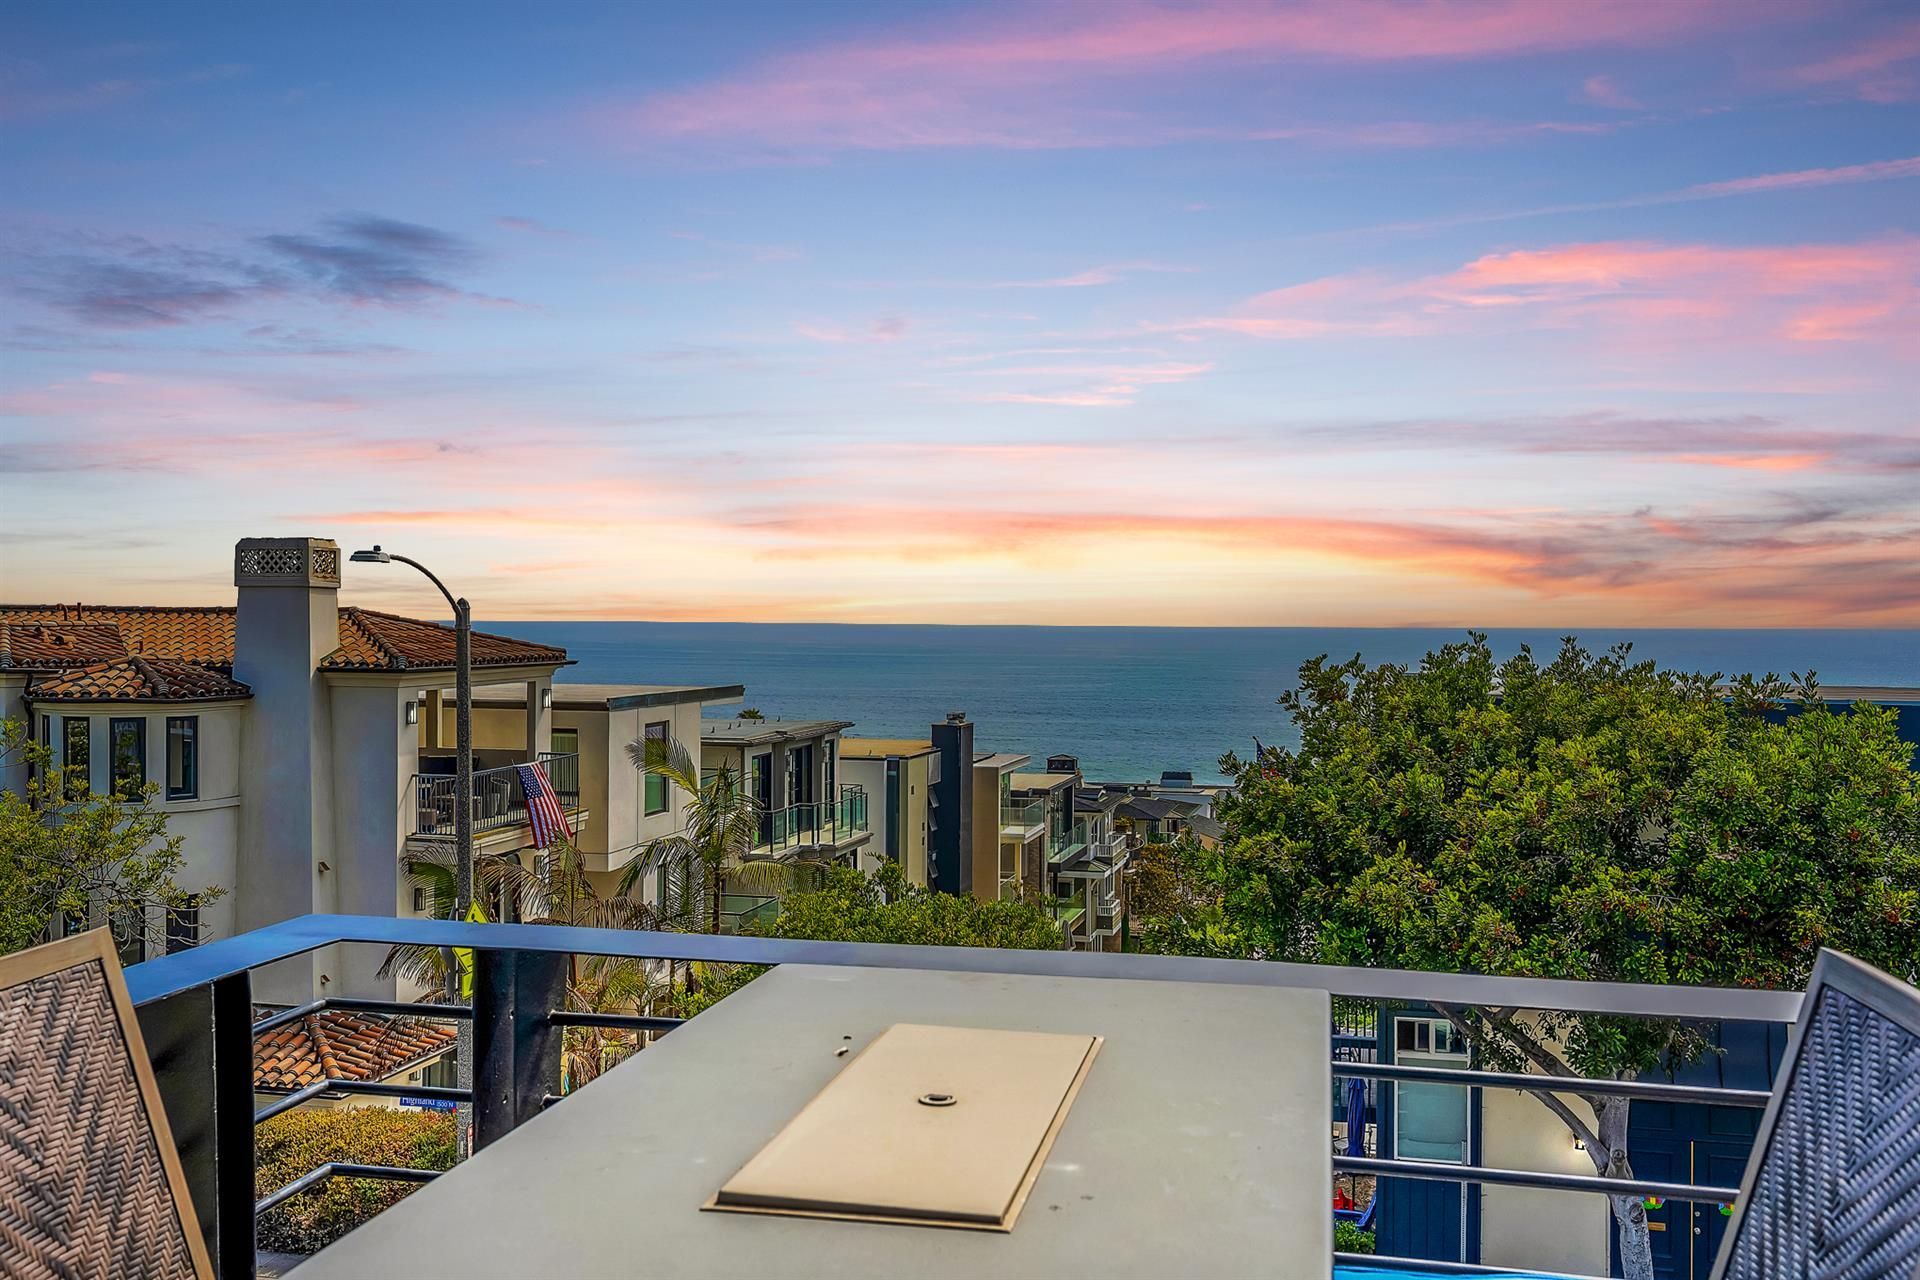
{"type": "Point", "coordinates": [286, 562]}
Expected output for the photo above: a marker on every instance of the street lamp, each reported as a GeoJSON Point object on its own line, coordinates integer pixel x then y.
{"type": "Point", "coordinates": [462, 733]}
{"type": "Point", "coordinates": [462, 799]}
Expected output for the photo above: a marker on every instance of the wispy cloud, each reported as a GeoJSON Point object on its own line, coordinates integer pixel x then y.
{"type": "Point", "coordinates": [132, 282]}
{"type": "Point", "coordinates": [885, 328]}
{"type": "Point", "coordinates": [532, 226]}
{"type": "Point", "coordinates": [1047, 78]}
{"type": "Point", "coordinates": [1807, 293]}
{"type": "Point", "coordinates": [1605, 91]}
{"type": "Point", "coordinates": [367, 259]}
{"type": "Point", "coordinates": [1112, 273]}
{"type": "Point", "coordinates": [1878, 69]}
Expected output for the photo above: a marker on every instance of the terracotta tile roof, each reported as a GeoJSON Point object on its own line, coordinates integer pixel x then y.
{"type": "Point", "coordinates": [160, 679]}
{"type": "Point", "coordinates": [203, 635]}
{"type": "Point", "coordinates": [383, 641]}
{"type": "Point", "coordinates": [40, 645]}
{"type": "Point", "coordinates": [59, 637]}
{"type": "Point", "coordinates": [335, 1045]}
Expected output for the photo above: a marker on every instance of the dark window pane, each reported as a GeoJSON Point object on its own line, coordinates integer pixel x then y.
{"type": "Point", "coordinates": [77, 732]}
{"type": "Point", "coordinates": [130, 936]}
{"type": "Point", "coordinates": [657, 799]}
{"type": "Point", "coordinates": [565, 741]}
{"type": "Point", "coordinates": [183, 757]}
{"type": "Point", "coordinates": [129, 745]}
{"type": "Point", "coordinates": [183, 926]}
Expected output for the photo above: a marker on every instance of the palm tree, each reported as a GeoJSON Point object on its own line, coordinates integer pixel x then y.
{"type": "Point", "coordinates": [709, 854]}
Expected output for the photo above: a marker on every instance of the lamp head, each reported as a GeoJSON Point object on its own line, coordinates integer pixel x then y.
{"type": "Point", "coordinates": [375, 556]}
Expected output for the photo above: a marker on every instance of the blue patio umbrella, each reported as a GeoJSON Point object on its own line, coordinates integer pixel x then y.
{"type": "Point", "coordinates": [1356, 1116]}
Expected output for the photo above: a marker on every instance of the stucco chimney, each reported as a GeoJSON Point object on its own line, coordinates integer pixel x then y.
{"type": "Point", "coordinates": [287, 620]}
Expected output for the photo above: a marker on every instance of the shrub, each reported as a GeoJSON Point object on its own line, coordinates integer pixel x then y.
{"type": "Point", "coordinates": [1348, 1238]}
{"type": "Point", "coordinates": [292, 1145]}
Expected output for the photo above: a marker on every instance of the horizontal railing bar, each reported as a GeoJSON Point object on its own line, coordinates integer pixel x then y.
{"type": "Point", "coordinates": [183, 971]}
{"type": "Point", "coordinates": [377, 1088]}
{"type": "Point", "coordinates": [354, 1004]}
{"type": "Point", "coordinates": [625, 1021]}
{"type": "Point", "coordinates": [1652, 1090]}
{"type": "Point", "coordinates": [1365, 1261]}
{"type": "Point", "coordinates": [1423, 1170]}
{"type": "Point", "coordinates": [389, 1172]}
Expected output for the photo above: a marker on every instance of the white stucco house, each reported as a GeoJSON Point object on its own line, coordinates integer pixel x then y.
{"type": "Point", "coordinates": [303, 747]}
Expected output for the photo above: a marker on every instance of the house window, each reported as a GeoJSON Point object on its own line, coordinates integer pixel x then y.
{"type": "Point", "coordinates": [183, 757]}
{"type": "Point", "coordinates": [127, 739]}
{"type": "Point", "coordinates": [1430, 1120]}
{"type": "Point", "coordinates": [564, 742]}
{"type": "Point", "coordinates": [76, 737]}
{"type": "Point", "coordinates": [183, 925]}
{"type": "Point", "coordinates": [657, 799]}
{"type": "Point", "coordinates": [419, 900]}
{"type": "Point", "coordinates": [130, 935]}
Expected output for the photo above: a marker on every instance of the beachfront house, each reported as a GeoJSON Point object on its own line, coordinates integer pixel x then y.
{"type": "Point", "coordinates": [791, 768]}
{"type": "Point", "coordinates": [897, 775]}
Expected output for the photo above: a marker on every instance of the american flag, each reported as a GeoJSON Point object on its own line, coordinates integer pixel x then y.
{"type": "Point", "coordinates": [543, 807]}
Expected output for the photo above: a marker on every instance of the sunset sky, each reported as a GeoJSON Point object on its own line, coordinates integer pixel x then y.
{"type": "Point", "coordinates": [1494, 312]}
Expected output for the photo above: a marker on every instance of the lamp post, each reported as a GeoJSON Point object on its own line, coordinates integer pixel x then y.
{"type": "Point", "coordinates": [462, 800]}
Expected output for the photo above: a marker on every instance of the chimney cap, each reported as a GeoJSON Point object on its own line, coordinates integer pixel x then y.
{"type": "Point", "coordinates": [286, 562]}
{"type": "Point", "coordinates": [956, 717]}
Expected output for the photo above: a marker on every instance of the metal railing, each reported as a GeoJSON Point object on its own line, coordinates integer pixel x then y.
{"type": "Point", "coordinates": [1065, 844]}
{"type": "Point", "coordinates": [196, 1014]}
{"type": "Point", "coordinates": [498, 797]}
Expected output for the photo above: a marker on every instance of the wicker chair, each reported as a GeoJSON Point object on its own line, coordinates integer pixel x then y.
{"type": "Point", "coordinates": [90, 1182]}
{"type": "Point", "coordinates": [1832, 1191]}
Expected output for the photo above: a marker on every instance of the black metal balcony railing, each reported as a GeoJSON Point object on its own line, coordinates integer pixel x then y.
{"type": "Point", "coordinates": [196, 1013]}
{"type": "Point", "coordinates": [498, 798]}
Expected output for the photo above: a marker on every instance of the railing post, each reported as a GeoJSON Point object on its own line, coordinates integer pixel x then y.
{"type": "Point", "coordinates": [516, 1049]}
{"type": "Point", "coordinates": [201, 1044]}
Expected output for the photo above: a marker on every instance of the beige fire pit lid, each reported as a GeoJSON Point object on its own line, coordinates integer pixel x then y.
{"type": "Point", "coordinates": [935, 1126]}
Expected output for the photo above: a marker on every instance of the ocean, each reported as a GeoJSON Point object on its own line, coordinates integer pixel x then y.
{"type": "Point", "coordinates": [1128, 701]}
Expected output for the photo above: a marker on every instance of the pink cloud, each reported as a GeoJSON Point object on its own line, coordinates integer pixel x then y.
{"type": "Point", "coordinates": [1875, 70]}
{"type": "Point", "coordinates": [1039, 80]}
{"type": "Point", "coordinates": [1797, 293]}
{"type": "Point", "coordinates": [1094, 386]}
{"type": "Point", "coordinates": [1604, 91]}
{"type": "Point", "coordinates": [1110, 274]}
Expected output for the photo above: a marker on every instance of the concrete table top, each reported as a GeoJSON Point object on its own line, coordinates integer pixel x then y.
{"type": "Point", "coordinates": [1198, 1144]}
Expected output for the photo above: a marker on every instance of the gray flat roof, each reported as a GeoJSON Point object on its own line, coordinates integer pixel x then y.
{"type": "Point", "coordinates": [748, 733]}
{"type": "Point", "coordinates": [613, 697]}
{"type": "Point", "coordinates": [1001, 760]}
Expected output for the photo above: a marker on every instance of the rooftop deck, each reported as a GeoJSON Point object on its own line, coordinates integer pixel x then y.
{"type": "Point", "coordinates": [197, 1011]}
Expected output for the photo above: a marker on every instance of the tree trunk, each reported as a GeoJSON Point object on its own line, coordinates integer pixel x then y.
{"type": "Point", "coordinates": [1629, 1212]}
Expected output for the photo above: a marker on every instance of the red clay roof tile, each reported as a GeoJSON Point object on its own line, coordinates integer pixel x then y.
{"type": "Point", "coordinates": [335, 1045]}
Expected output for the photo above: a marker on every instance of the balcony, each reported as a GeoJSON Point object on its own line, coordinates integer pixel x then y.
{"type": "Point", "coordinates": [815, 827]}
{"type": "Point", "coordinates": [197, 1013]}
{"type": "Point", "coordinates": [1066, 845]}
{"type": "Point", "coordinates": [499, 801]}
{"type": "Point", "coordinates": [1022, 820]}
{"type": "Point", "coordinates": [740, 911]}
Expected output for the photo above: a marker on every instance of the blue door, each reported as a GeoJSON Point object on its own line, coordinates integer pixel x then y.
{"type": "Point", "coordinates": [1700, 1146]}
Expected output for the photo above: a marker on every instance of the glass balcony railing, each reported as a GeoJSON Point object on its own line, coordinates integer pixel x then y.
{"type": "Point", "coordinates": [815, 823]}
{"type": "Point", "coordinates": [1064, 845]}
{"type": "Point", "coordinates": [1023, 817]}
{"type": "Point", "coordinates": [739, 910]}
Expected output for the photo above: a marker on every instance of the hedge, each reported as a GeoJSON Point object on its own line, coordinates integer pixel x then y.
{"type": "Point", "coordinates": [292, 1145]}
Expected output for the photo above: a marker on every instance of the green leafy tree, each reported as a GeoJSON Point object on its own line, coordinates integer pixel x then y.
{"type": "Point", "coordinates": [1585, 818]}
{"type": "Point", "coordinates": [851, 906]}
{"type": "Point", "coordinates": [66, 852]}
